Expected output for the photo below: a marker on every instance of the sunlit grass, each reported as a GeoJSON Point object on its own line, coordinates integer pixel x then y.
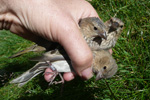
{"type": "Point", "coordinates": [132, 53]}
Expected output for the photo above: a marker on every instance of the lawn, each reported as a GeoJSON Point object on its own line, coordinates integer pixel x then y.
{"type": "Point", "coordinates": [132, 53]}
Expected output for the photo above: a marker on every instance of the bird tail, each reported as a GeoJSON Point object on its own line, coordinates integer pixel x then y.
{"type": "Point", "coordinates": [34, 48]}
{"type": "Point", "coordinates": [28, 75]}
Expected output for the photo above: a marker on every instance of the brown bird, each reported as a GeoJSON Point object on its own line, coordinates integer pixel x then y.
{"type": "Point", "coordinates": [90, 28]}
{"type": "Point", "coordinates": [104, 66]}
{"type": "Point", "coordinates": [93, 30]}
{"type": "Point", "coordinates": [114, 28]}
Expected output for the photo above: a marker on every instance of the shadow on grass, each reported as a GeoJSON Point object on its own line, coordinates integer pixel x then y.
{"type": "Point", "coordinates": [74, 90]}
{"type": "Point", "coordinates": [16, 66]}
{"type": "Point", "coordinates": [38, 89]}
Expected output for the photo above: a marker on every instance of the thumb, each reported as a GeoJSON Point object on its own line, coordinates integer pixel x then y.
{"type": "Point", "coordinates": [77, 49]}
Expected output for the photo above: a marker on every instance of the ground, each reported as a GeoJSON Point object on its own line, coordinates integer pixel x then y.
{"type": "Point", "coordinates": [132, 53]}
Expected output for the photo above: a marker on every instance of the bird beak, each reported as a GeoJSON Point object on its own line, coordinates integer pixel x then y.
{"type": "Point", "coordinates": [103, 35]}
{"type": "Point", "coordinates": [98, 76]}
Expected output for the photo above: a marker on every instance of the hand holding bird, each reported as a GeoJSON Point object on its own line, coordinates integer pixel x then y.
{"type": "Point", "coordinates": [94, 32]}
{"type": "Point", "coordinates": [104, 66]}
{"type": "Point", "coordinates": [90, 28]}
{"type": "Point", "coordinates": [97, 34]}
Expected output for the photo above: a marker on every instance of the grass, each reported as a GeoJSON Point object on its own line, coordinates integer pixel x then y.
{"type": "Point", "coordinates": [132, 53]}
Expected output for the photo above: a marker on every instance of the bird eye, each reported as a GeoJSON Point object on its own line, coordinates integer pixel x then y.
{"type": "Point", "coordinates": [95, 28]}
{"type": "Point", "coordinates": [104, 67]}
{"type": "Point", "coordinates": [121, 26]}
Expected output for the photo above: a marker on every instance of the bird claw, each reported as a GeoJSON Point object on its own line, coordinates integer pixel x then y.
{"type": "Point", "coordinates": [54, 74]}
{"type": "Point", "coordinates": [57, 82]}
{"type": "Point", "coordinates": [51, 80]}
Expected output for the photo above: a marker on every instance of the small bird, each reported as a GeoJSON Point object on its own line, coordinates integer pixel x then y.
{"type": "Point", "coordinates": [114, 28]}
{"type": "Point", "coordinates": [97, 34]}
{"type": "Point", "coordinates": [90, 28]}
{"type": "Point", "coordinates": [104, 66]}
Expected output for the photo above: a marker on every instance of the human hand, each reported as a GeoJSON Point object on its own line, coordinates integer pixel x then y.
{"type": "Point", "coordinates": [104, 66]}
{"type": "Point", "coordinates": [54, 20]}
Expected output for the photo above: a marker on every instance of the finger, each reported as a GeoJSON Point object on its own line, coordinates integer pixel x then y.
{"type": "Point", "coordinates": [68, 76]}
{"type": "Point", "coordinates": [110, 51]}
{"type": "Point", "coordinates": [77, 49]}
{"type": "Point", "coordinates": [48, 76]}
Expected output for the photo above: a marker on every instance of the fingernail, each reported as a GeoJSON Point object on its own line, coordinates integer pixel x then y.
{"type": "Point", "coordinates": [71, 77]}
{"type": "Point", "coordinates": [87, 73]}
{"type": "Point", "coordinates": [110, 51]}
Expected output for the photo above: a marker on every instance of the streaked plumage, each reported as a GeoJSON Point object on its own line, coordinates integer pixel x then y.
{"type": "Point", "coordinates": [93, 30]}
{"type": "Point", "coordinates": [34, 48]}
{"type": "Point", "coordinates": [90, 28]}
{"type": "Point", "coordinates": [104, 65]}
{"type": "Point", "coordinates": [114, 28]}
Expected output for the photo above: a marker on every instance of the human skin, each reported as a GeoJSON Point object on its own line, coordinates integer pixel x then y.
{"type": "Point", "coordinates": [54, 20]}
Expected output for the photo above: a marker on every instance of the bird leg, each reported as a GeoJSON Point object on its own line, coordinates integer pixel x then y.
{"type": "Point", "coordinates": [54, 74]}
{"type": "Point", "coordinates": [57, 82]}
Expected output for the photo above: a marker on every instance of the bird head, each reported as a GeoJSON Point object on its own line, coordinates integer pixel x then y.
{"type": "Point", "coordinates": [115, 24]}
{"type": "Point", "coordinates": [105, 66]}
{"type": "Point", "coordinates": [93, 27]}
